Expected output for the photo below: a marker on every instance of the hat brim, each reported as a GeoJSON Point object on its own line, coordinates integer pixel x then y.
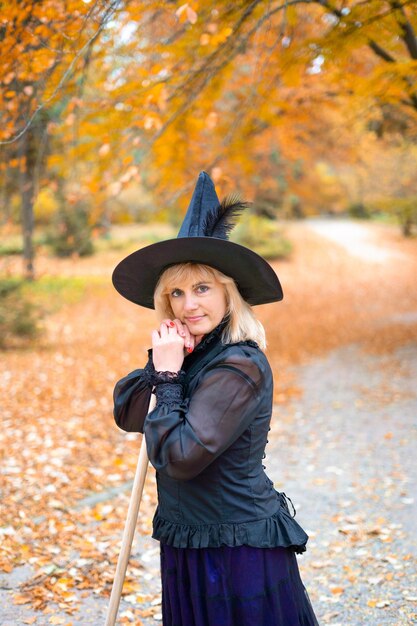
{"type": "Point", "coordinates": [137, 275]}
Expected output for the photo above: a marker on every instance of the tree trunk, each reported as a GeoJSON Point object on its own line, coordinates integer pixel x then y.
{"type": "Point", "coordinates": [26, 185]}
{"type": "Point", "coordinates": [406, 227]}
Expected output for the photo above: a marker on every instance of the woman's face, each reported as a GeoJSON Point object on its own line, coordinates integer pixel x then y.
{"type": "Point", "coordinates": [199, 304]}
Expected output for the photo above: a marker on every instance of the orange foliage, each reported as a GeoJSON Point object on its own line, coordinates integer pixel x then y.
{"type": "Point", "coordinates": [151, 92]}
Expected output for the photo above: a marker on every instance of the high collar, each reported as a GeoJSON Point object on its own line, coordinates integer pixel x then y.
{"type": "Point", "coordinates": [211, 336]}
{"type": "Point", "coordinates": [208, 341]}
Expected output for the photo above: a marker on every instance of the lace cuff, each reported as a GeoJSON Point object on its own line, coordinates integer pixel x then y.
{"type": "Point", "coordinates": [162, 378]}
{"type": "Point", "coordinates": [154, 378]}
{"type": "Point", "coordinates": [169, 393]}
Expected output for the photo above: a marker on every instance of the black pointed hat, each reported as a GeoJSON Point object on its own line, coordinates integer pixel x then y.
{"type": "Point", "coordinates": [203, 238]}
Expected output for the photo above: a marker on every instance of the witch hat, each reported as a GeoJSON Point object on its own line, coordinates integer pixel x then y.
{"type": "Point", "coordinates": [203, 238]}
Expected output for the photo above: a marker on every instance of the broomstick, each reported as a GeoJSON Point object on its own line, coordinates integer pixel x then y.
{"type": "Point", "coordinates": [129, 530]}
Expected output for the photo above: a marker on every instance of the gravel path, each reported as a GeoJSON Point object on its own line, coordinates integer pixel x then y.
{"type": "Point", "coordinates": [354, 237]}
{"type": "Point", "coordinates": [345, 454]}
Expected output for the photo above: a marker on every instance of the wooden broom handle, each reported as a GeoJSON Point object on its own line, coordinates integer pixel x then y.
{"type": "Point", "coordinates": [129, 530]}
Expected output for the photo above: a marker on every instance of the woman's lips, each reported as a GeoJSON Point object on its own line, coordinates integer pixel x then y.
{"type": "Point", "coordinates": [194, 319]}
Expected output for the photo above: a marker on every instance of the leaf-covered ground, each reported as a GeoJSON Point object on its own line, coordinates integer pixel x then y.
{"type": "Point", "coordinates": [343, 348]}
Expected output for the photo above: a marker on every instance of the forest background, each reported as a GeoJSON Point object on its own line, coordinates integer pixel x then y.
{"type": "Point", "coordinates": [108, 112]}
{"type": "Point", "coordinates": [109, 109]}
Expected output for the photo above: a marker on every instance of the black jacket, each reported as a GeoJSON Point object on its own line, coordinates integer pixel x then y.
{"type": "Point", "coordinates": [206, 439]}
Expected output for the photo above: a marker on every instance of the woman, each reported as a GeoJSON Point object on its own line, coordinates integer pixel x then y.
{"type": "Point", "coordinates": [228, 541]}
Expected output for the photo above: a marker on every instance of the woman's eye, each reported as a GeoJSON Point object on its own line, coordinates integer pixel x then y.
{"type": "Point", "coordinates": [202, 288]}
{"type": "Point", "coordinates": [175, 293]}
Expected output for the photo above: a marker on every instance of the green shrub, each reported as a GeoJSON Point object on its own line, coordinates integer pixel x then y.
{"type": "Point", "coordinates": [359, 210]}
{"type": "Point", "coordinates": [71, 233]}
{"type": "Point", "coordinates": [19, 317]}
{"type": "Point", "coordinates": [404, 209]}
{"type": "Point", "coordinates": [263, 236]}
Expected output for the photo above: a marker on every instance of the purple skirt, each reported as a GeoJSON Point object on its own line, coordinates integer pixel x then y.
{"type": "Point", "coordinates": [233, 586]}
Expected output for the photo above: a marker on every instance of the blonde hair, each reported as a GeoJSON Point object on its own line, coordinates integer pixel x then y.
{"type": "Point", "coordinates": [241, 321]}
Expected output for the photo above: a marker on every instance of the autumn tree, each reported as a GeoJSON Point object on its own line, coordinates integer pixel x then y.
{"type": "Point", "coordinates": [45, 46]}
{"type": "Point", "coordinates": [154, 91]}
{"type": "Point", "coordinates": [199, 85]}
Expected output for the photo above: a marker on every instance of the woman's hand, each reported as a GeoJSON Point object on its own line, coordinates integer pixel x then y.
{"type": "Point", "coordinates": [168, 345]}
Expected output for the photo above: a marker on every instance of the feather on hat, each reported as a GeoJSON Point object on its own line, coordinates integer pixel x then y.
{"type": "Point", "coordinates": [203, 238]}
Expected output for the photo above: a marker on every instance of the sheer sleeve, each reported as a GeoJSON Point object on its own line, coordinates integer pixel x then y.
{"type": "Point", "coordinates": [131, 398]}
{"type": "Point", "coordinates": [132, 394]}
{"type": "Point", "coordinates": [184, 437]}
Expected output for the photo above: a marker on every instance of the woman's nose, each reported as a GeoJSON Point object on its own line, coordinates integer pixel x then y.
{"type": "Point", "coordinates": [190, 303]}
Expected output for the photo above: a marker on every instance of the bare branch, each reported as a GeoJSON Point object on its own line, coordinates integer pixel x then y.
{"type": "Point", "coordinates": [383, 54]}
{"type": "Point", "coordinates": [376, 47]}
{"type": "Point", "coordinates": [408, 35]}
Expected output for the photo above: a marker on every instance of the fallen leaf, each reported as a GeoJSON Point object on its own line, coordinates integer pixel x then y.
{"type": "Point", "coordinates": [21, 598]}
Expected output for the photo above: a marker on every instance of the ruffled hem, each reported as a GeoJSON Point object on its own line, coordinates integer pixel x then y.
{"type": "Point", "coordinates": [279, 530]}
